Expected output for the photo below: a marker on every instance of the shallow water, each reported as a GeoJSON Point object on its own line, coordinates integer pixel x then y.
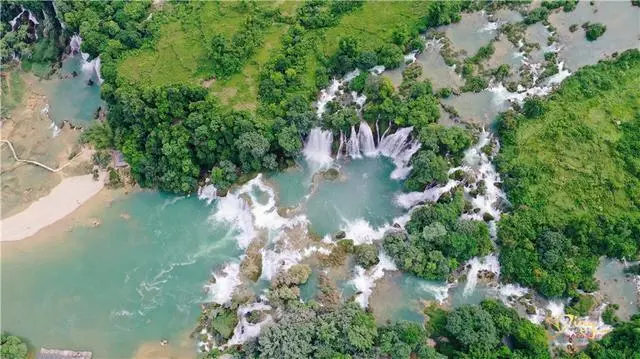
{"type": "Point", "coordinates": [623, 31]}
{"type": "Point", "coordinates": [477, 107]}
{"type": "Point", "coordinates": [71, 98]}
{"type": "Point", "coordinates": [617, 287]}
{"type": "Point", "coordinates": [111, 288]}
{"type": "Point", "coordinates": [471, 33]}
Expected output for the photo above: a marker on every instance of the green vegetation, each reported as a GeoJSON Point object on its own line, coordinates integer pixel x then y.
{"type": "Point", "coordinates": [12, 347]}
{"type": "Point", "coordinates": [480, 332]}
{"type": "Point", "coordinates": [609, 315]}
{"type": "Point", "coordinates": [539, 14]}
{"type": "Point", "coordinates": [575, 190]}
{"type": "Point", "coordinates": [566, 5]}
{"type": "Point", "coordinates": [593, 30]}
{"type": "Point", "coordinates": [12, 92]}
{"type": "Point", "coordinates": [366, 255]}
{"type": "Point", "coordinates": [436, 240]}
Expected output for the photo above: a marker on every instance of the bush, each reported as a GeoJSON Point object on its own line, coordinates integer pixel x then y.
{"type": "Point", "coordinates": [12, 347]}
{"type": "Point", "coordinates": [366, 255]}
{"type": "Point", "coordinates": [594, 31]}
{"type": "Point", "coordinates": [101, 159]}
{"type": "Point", "coordinates": [536, 15]}
{"type": "Point", "coordinates": [296, 275]}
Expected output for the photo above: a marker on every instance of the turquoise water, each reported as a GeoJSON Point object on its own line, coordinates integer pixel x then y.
{"type": "Point", "coordinates": [139, 276]}
{"type": "Point", "coordinates": [111, 288]}
{"type": "Point", "coordinates": [71, 98]}
{"type": "Point", "coordinates": [366, 192]}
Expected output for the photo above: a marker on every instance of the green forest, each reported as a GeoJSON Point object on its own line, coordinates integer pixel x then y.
{"type": "Point", "coordinates": [575, 190]}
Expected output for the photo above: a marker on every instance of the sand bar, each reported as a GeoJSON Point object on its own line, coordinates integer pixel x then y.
{"type": "Point", "coordinates": [65, 198]}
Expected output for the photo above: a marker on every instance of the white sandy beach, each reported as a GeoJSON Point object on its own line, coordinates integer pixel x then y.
{"type": "Point", "coordinates": [65, 198]}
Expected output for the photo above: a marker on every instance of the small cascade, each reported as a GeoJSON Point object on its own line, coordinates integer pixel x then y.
{"type": "Point", "coordinates": [393, 144]}
{"type": "Point", "coordinates": [226, 281]}
{"type": "Point", "coordinates": [245, 330]}
{"type": "Point", "coordinates": [378, 131]}
{"type": "Point", "coordinates": [207, 193]}
{"type": "Point", "coordinates": [55, 10]}
{"type": "Point", "coordinates": [326, 96]}
{"type": "Point", "coordinates": [341, 146]}
{"type": "Point", "coordinates": [359, 100]}
{"type": "Point", "coordinates": [90, 68]}
{"type": "Point", "coordinates": [353, 145]}
{"type": "Point", "coordinates": [409, 200]}
{"type": "Point", "coordinates": [365, 280]}
{"type": "Point", "coordinates": [489, 263]}
{"type": "Point", "coordinates": [365, 137]}
{"type": "Point", "coordinates": [399, 147]}
{"type": "Point", "coordinates": [476, 161]}
{"type": "Point", "coordinates": [75, 43]}
{"type": "Point", "coordinates": [32, 20]}
{"type": "Point", "coordinates": [317, 149]}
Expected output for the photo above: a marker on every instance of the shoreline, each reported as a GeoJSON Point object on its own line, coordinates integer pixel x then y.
{"type": "Point", "coordinates": [62, 201]}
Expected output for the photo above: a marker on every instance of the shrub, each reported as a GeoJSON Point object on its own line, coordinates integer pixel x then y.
{"type": "Point", "coordinates": [366, 255]}
{"type": "Point", "coordinates": [594, 31]}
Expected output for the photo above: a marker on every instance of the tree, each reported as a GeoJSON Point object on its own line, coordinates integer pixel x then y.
{"type": "Point", "coordinates": [473, 328]}
{"type": "Point", "coordinates": [289, 141]}
{"type": "Point", "coordinates": [12, 347]}
{"type": "Point", "coordinates": [390, 56]}
{"type": "Point", "coordinates": [252, 146]}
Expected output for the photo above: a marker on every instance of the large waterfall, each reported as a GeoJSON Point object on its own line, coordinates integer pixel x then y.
{"type": "Point", "coordinates": [367, 144]}
{"type": "Point", "coordinates": [317, 149]}
{"type": "Point", "coordinates": [353, 145]}
{"type": "Point", "coordinates": [399, 146]}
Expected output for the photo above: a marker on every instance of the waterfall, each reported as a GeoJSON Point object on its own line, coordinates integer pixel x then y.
{"type": "Point", "coordinates": [399, 147]}
{"type": "Point", "coordinates": [367, 144]}
{"type": "Point", "coordinates": [353, 145]}
{"type": "Point", "coordinates": [326, 96]}
{"type": "Point", "coordinates": [55, 10]}
{"type": "Point", "coordinates": [489, 263]}
{"type": "Point", "coordinates": [393, 144]}
{"type": "Point", "coordinates": [88, 67]}
{"type": "Point", "coordinates": [75, 43]}
{"type": "Point", "coordinates": [317, 150]}
{"type": "Point", "coordinates": [341, 147]}
{"type": "Point", "coordinates": [377, 131]}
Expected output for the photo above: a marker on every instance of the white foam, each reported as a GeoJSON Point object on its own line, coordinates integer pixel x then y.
{"type": "Point", "coordinates": [489, 263]}
{"type": "Point", "coordinates": [365, 280]}
{"type": "Point", "coordinates": [245, 330]}
{"type": "Point", "coordinates": [410, 57]}
{"type": "Point", "coordinates": [276, 261]}
{"type": "Point", "coordinates": [409, 200]}
{"type": "Point", "coordinates": [440, 292]}
{"type": "Point", "coordinates": [317, 149]}
{"type": "Point", "coordinates": [207, 193]}
{"type": "Point", "coordinates": [235, 211]}
{"type": "Point", "coordinates": [379, 69]}
{"type": "Point", "coordinates": [361, 231]}
{"type": "Point", "coordinates": [221, 291]}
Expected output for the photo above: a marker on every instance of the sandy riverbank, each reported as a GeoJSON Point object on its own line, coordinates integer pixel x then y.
{"type": "Point", "coordinates": [64, 199]}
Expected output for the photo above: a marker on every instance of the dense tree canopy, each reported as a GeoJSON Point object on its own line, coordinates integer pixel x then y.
{"type": "Point", "coordinates": [436, 240]}
{"type": "Point", "coordinates": [575, 189]}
